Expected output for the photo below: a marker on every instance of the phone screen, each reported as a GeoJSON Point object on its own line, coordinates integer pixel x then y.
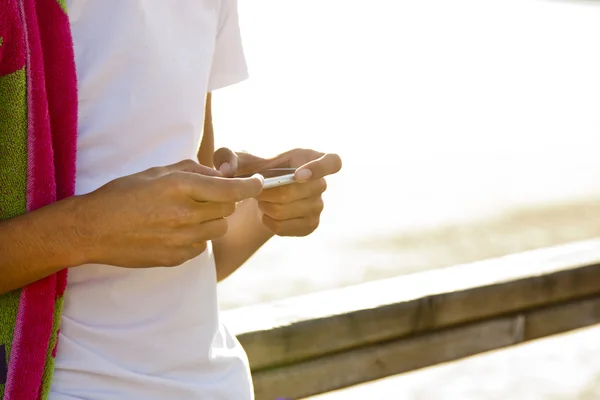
{"type": "Point", "coordinates": [272, 173]}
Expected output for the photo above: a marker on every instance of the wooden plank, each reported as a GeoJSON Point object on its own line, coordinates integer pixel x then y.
{"type": "Point", "coordinates": [381, 360]}
{"type": "Point", "coordinates": [561, 318]}
{"type": "Point", "coordinates": [310, 326]}
{"type": "Point", "coordinates": [377, 361]}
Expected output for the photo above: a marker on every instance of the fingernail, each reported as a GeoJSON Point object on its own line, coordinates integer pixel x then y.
{"type": "Point", "coordinates": [303, 175]}
{"type": "Point", "coordinates": [259, 176]}
{"type": "Point", "coordinates": [225, 168]}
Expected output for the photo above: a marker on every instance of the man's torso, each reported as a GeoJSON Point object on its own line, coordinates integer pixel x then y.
{"type": "Point", "coordinates": [144, 68]}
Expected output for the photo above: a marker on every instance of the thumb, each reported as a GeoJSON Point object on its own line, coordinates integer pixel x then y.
{"type": "Point", "coordinates": [327, 164]}
{"type": "Point", "coordinates": [192, 167]}
{"type": "Point", "coordinates": [221, 190]}
{"type": "Point", "coordinates": [232, 164]}
{"type": "Point", "coordinates": [226, 162]}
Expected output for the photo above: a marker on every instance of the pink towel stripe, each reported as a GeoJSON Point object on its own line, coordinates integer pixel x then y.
{"type": "Point", "coordinates": [61, 85]}
{"type": "Point", "coordinates": [36, 308]}
{"type": "Point", "coordinates": [41, 188]}
{"type": "Point", "coordinates": [32, 334]}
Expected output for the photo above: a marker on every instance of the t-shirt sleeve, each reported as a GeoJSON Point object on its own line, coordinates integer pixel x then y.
{"type": "Point", "coordinates": [229, 62]}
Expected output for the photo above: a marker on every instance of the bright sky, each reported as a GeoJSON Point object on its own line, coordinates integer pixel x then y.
{"type": "Point", "coordinates": [442, 110]}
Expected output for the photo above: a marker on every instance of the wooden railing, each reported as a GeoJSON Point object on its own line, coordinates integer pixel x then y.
{"type": "Point", "coordinates": [313, 344]}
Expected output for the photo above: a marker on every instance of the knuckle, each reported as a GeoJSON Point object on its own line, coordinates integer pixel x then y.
{"type": "Point", "coordinates": [187, 164]}
{"type": "Point", "coordinates": [154, 172]}
{"type": "Point", "coordinates": [179, 216]}
{"type": "Point", "coordinates": [172, 181]}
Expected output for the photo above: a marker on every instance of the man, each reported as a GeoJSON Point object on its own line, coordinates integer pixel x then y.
{"type": "Point", "coordinates": [149, 232]}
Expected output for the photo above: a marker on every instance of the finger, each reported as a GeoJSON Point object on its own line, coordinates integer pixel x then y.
{"type": "Point", "coordinates": [200, 212]}
{"type": "Point", "coordinates": [290, 193]}
{"type": "Point", "coordinates": [291, 227]}
{"type": "Point", "coordinates": [193, 236]}
{"type": "Point", "coordinates": [211, 230]}
{"type": "Point", "coordinates": [181, 254]}
{"type": "Point", "coordinates": [190, 252]}
{"type": "Point", "coordinates": [226, 161]}
{"type": "Point", "coordinates": [220, 190]}
{"type": "Point", "coordinates": [190, 166]}
{"type": "Point", "coordinates": [250, 164]}
{"type": "Point", "coordinates": [327, 164]}
{"type": "Point", "coordinates": [297, 209]}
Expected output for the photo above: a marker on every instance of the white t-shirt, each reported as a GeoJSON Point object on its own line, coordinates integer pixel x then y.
{"type": "Point", "coordinates": [144, 68]}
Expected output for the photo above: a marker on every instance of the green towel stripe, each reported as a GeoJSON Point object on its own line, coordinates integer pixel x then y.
{"type": "Point", "coordinates": [63, 5]}
{"type": "Point", "coordinates": [49, 367]}
{"type": "Point", "coordinates": [13, 152]}
{"type": "Point", "coordinates": [13, 180]}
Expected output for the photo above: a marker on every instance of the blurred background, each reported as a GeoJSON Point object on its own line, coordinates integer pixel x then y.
{"type": "Point", "coordinates": [469, 129]}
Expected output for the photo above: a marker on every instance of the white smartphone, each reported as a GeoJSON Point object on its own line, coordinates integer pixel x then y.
{"type": "Point", "coordinates": [276, 177]}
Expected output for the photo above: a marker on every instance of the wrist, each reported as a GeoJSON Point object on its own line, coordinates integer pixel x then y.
{"type": "Point", "coordinates": [75, 227]}
{"type": "Point", "coordinates": [40, 243]}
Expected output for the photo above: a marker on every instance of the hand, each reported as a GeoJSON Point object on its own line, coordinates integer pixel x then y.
{"type": "Point", "coordinates": [292, 210]}
{"type": "Point", "coordinates": [162, 216]}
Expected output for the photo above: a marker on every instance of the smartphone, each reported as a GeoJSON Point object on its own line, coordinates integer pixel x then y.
{"type": "Point", "coordinates": [276, 177]}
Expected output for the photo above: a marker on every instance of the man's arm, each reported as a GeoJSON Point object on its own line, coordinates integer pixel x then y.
{"type": "Point", "coordinates": [207, 145]}
{"type": "Point", "coordinates": [245, 235]}
{"type": "Point", "coordinates": [246, 232]}
{"type": "Point", "coordinates": [110, 226]}
{"type": "Point", "coordinates": [38, 244]}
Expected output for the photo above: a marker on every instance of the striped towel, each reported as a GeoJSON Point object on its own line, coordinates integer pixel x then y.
{"type": "Point", "coordinates": [38, 135]}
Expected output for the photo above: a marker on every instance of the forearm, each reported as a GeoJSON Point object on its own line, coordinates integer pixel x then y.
{"type": "Point", "coordinates": [246, 234]}
{"type": "Point", "coordinates": [38, 244]}
{"type": "Point", "coordinates": [207, 145]}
